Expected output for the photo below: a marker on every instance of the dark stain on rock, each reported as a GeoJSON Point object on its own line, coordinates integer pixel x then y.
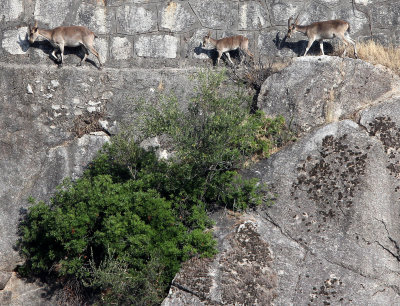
{"type": "Point", "coordinates": [389, 134]}
{"type": "Point", "coordinates": [86, 124]}
{"type": "Point", "coordinates": [242, 274]}
{"type": "Point", "coordinates": [327, 293]}
{"type": "Point", "coordinates": [332, 178]}
{"type": "Point", "coordinates": [251, 261]}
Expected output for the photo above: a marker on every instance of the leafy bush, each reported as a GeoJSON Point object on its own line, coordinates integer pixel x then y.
{"type": "Point", "coordinates": [123, 229]}
{"type": "Point", "coordinates": [94, 215]}
{"type": "Point", "coordinates": [215, 135]}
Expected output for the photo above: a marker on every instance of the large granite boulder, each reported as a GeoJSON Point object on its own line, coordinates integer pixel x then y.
{"type": "Point", "coordinates": [337, 203]}
{"type": "Point", "coordinates": [315, 90]}
{"type": "Point", "coordinates": [332, 235]}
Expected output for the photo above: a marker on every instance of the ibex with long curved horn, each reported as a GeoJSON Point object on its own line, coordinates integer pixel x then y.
{"type": "Point", "coordinates": [322, 30]}
{"type": "Point", "coordinates": [60, 37]}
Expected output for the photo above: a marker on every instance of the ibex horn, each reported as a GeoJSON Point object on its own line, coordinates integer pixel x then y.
{"type": "Point", "coordinates": [297, 19]}
{"type": "Point", "coordinates": [290, 21]}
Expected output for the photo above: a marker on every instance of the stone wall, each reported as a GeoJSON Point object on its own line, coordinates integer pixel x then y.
{"type": "Point", "coordinates": [155, 33]}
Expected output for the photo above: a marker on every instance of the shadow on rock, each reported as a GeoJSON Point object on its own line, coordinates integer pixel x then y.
{"type": "Point", "coordinates": [213, 54]}
{"type": "Point", "coordinates": [47, 48]}
{"type": "Point", "coordinates": [299, 47]}
{"type": "Point", "coordinates": [23, 43]}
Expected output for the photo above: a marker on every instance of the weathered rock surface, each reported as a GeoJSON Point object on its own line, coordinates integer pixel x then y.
{"type": "Point", "coordinates": [337, 203]}
{"type": "Point", "coordinates": [22, 292]}
{"type": "Point", "coordinates": [332, 235]}
{"type": "Point", "coordinates": [241, 273]}
{"type": "Point", "coordinates": [315, 90]}
{"type": "Point", "coordinates": [4, 278]}
{"type": "Point", "coordinates": [53, 122]}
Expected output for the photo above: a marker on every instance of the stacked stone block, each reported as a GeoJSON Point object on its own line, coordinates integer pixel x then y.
{"type": "Point", "coordinates": [150, 33]}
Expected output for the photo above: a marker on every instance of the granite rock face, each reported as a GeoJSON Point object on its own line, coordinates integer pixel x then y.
{"type": "Point", "coordinates": [332, 235]}
{"type": "Point", "coordinates": [241, 273]}
{"type": "Point", "coordinates": [54, 121]}
{"type": "Point", "coordinates": [322, 89]}
{"type": "Point", "coordinates": [337, 204]}
{"type": "Point", "coordinates": [21, 292]}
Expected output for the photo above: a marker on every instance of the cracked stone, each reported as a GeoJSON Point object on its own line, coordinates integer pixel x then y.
{"type": "Point", "coordinates": [4, 278]}
{"type": "Point", "coordinates": [332, 186]}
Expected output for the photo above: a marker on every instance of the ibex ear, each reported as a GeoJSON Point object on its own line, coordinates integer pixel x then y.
{"type": "Point", "coordinates": [209, 34]}
{"type": "Point", "coordinates": [36, 25]}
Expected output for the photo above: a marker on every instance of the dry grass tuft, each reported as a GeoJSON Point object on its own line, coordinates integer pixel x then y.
{"type": "Point", "coordinates": [375, 53]}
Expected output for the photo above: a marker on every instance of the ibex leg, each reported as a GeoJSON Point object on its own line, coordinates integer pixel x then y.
{"type": "Point", "coordinates": [95, 53]}
{"type": "Point", "coordinates": [62, 54]}
{"type": "Point", "coordinates": [229, 57]}
{"type": "Point", "coordinates": [85, 52]}
{"type": "Point", "coordinates": [310, 42]}
{"type": "Point", "coordinates": [348, 38]}
{"type": "Point", "coordinates": [321, 46]}
{"type": "Point", "coordinates": [346, 43]}
{"type": "Point", "coordinates": [219, 56]}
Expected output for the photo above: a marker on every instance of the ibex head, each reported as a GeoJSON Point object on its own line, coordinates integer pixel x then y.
{"type": "Point", "coordinates": [33, 33]}
{"type": "Point", "coordinates": [206, 39]}
{"type": "Point", "coordinates": [292, 26]}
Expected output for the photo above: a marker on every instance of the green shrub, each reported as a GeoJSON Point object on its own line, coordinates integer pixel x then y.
{"type": "Point", "coordinates": [118, 284]}
{"type": "Point", "coordinates": [123, 229]}
{"type": "Point", "coordinates": [94, 215]}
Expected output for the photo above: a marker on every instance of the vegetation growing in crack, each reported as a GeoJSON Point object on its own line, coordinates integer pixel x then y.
{"type": "Point", "coordinates": [123, 229]}
{"type": "Point", "coordinates": [254, 75]}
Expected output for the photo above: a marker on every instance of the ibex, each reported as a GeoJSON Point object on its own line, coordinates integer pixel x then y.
{"type": "Point", "coordinates": [228, 44]}
{"type": "Point", "coordinates": [323, 30]}
{"type": "Point", "coordinates": [60, 37]}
